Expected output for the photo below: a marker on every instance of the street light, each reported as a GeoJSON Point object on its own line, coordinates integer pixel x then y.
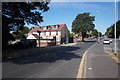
{"type": "Point", "coordinates": [98, 31]}
{"type": "Point", "coordinates": [39, 37]}
{"type": "Point", "coordinates": [115, 30]}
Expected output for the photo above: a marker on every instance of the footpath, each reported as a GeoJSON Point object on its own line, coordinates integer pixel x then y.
{"type": "Point", "coordinates": [99, 64]}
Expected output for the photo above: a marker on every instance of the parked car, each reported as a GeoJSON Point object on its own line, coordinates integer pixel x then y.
{"type": "Point", "coordinates": [24, 44]}
{"type": "Point", "coordinates": [106, 41]}
{"type": "Point", "coordinates": [32, 43]}
{"type": "Point", "coordinates": [19, 45]}
{"type": "Point", "coordinates": [110, 40]}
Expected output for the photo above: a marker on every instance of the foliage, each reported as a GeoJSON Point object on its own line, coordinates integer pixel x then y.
{"type": "Point", "coordinates": [83, 23]}
{"type": "Point", "coordinates": [16, 14]}
{"type": "Point", "coordinates": [71, 35]}
{"type": "Point", "coordinates": [20, 33]}
{"type": "Point", "coordinates": [95, 32]}
{"type": "Point", "coordinates": [110, 30]}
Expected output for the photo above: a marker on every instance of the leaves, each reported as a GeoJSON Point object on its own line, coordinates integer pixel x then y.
{"type": "Point", "coordinates": [110, 30]}
{"type": "Point", "coordinates": [95, 32]}
{"type": "Point", "coordinates": [16, 14]}
{"type": "Point", "coordinates": [83, 23]}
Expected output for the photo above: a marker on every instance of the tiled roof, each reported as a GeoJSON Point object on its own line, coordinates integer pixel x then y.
{"type": "Point", "coordinates": [50, 28]}
{"type": "Point", "coordinates": [36, 36]}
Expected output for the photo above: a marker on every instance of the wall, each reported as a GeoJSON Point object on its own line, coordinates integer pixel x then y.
{"type": "Point", "coordinates": [65, 35]}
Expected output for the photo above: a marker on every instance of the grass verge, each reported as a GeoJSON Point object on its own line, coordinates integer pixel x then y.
{"type": "Point", "coordinates": [115, 57]}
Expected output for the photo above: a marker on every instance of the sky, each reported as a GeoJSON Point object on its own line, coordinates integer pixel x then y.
{"type": "Point", "coordinates": [65, 13]}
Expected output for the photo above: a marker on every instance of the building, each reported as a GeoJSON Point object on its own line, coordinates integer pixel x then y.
{"type": "Point", "coordinates": [78, 36]}
{"type": "Point", "coordinates": [50, 35]}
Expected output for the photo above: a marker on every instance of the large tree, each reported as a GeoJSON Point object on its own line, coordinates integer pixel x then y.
{"type": "Point", "coordinates": [83, 23]}
{"type": "Point", "coordinates": [16, 14]}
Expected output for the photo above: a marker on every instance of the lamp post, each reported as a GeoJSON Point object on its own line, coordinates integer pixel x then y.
{"type": "Point", "coordinates": [98, 31]}
{"type": "Point", "coordinates": [115, 30]}
{"type": "Point", "coordinates": [39, 37]}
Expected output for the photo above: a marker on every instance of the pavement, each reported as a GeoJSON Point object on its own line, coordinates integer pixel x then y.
{"type": "Point", "coordinates": [55, 62]}
{"type": "Point", "coordinates": [99, 64]}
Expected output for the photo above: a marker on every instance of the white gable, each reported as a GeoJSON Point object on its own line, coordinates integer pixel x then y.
{"type": "Point", "coordinates": [31, 37]}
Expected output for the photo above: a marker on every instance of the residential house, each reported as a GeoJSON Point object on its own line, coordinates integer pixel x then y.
{"type": "Point", "coordinates": [50, 35]}
{"type": "Point", "coordinates": [78, 36]}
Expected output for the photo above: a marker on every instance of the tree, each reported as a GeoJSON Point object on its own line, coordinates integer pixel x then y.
{"type": "Point", "coordinates": [100, 34]}
{"type": "Point", "coordinates": [71, 35]}
{"type": "Point", "coordinates": [20, 33]}
{"type": "Point", "coordinates": [110, 30]}
{"type": "Point", "coordinates": [83, 23]}
{"type": "Point", "coordinates": [95, 32]}
{"type": "Point", "coordinates": [16, 14]}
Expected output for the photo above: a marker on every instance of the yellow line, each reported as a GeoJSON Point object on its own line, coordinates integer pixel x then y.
{"type": "Point", "coordinates": [81, 67]}
{"type": "Point", "coordinates": [80, 71]}
{"type": "Point", "coordinates": [31, 76]}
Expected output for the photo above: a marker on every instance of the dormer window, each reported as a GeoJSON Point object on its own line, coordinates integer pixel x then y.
{"type": "Point", "coordinates": [44, 27]}
{"type": "Point", "coordinates": [57, 26]}
{"type": "Point", "coordinates": [47, 27]}
{"type": "Point", "coordinates": [54, 27]}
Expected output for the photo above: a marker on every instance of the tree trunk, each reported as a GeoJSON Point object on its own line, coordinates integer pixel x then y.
{"type": "Point", "coordinates": [83, 36]}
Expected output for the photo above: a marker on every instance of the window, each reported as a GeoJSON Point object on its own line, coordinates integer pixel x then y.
{"type": "Point", "coordinates": [49, 33]}
{"type": "Point", "coordinates": [54, 27]}
{"type": "Point", "coordinates": [56, 32]}
{"type": "Point", "coordinates": [44, 27]}
{"type": "Point", "coordinates": [47, 27]}
{"type": "Point", "coordinates": [44, 33]}
{"type": "Point", "coordinates": [57, 26]}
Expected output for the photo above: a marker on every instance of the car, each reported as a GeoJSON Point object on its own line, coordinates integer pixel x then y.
{"type": "Point", "coordinates": [106, 42]}
{"type": "Point", "coordinates": [110, 40]}
{"type": "Point", "coordinates": [18, 45]}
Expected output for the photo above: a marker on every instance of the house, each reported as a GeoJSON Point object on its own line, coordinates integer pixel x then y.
{"type": "Point", "coordinates": [78, 36]}
{"type": "Point", "coordinates": [50, 35]}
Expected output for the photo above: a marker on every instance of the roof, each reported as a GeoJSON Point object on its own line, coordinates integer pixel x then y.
{"type": "Point", "coordinates": [50, 28]}
{"type": "Point", "coordinates": [35, 35]}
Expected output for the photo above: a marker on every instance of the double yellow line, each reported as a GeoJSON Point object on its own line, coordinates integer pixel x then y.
{"type": "Point", "coordinates": [80, 74]}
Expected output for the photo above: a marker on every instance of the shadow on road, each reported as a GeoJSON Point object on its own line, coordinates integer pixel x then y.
{"type": "Point", "coordinates": [52, 55]}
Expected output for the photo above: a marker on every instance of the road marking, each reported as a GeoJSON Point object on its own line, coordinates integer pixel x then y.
{"type": "Point", "coordinates": [90, 68]}
{"type": "Point", "coordinates": [81, 67]}
{"type": "Point", "coordinates": [50, 67]}
{"type": "Point", "coordinates": [30, 76]}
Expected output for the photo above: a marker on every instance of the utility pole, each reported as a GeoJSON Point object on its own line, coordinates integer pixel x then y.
{"type": "Point", "coordinates": [98, 31]}
{"type": "Point", "coordinates": [115, 30]}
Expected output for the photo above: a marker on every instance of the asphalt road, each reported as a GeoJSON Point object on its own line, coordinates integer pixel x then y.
{"type": "Point", "coordinates": [111, 45]}
{"type": "Point", "coordinates": [57, 62]}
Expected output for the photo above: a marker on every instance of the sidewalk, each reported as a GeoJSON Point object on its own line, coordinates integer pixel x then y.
{"type": "Point", "coordinates": [99, 64]}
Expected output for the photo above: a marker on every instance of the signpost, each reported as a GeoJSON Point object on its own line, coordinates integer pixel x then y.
{"type": "Point", "coordinates": [39, 37]}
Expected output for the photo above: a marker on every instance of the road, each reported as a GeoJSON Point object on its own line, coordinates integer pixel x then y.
{"type": "Point", "coordinates": [111, 45]}
{"type": "Point", "coordinates": [57, 62]}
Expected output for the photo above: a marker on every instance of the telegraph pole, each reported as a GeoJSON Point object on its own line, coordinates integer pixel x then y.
{"type": "Point", "coordinates": [115, 31]}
